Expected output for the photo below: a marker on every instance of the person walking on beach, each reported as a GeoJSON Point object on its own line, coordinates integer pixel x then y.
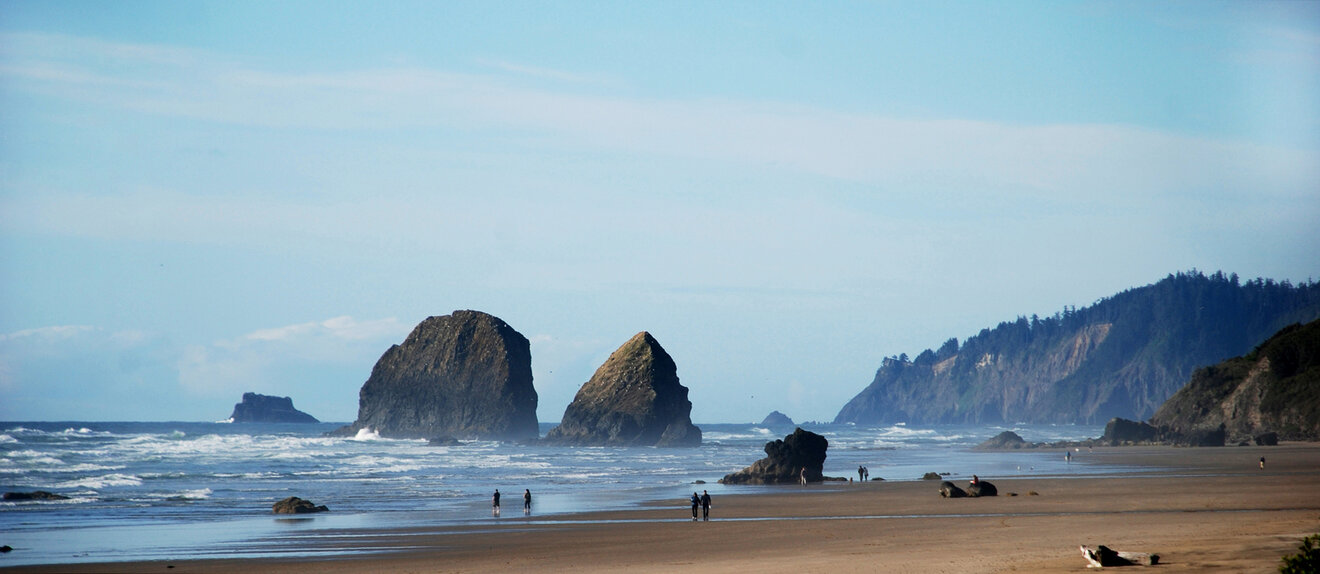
{"type": "Point", "coordinates": [1262, 463]}
{"type": "Point", "coordinates": [861, 473]}
{"type": "Point", "coordinates": [866, 474]}
{"type": "Point", "coordinates": [527, 501]}
{"type": "Point", "coordinates": [696, 501]}
{"type": "Point", "coordinates": [705, 505]}
{"type": "Point", "coordinates": [495, 503]}
{"type": "Point", "coordinates": [802, 476]}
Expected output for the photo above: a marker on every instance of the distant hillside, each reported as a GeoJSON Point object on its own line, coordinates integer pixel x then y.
{"type": "Point", "coordinates": [1274, 388]}
{"type": "Point", "coordinates": [1121, 357]}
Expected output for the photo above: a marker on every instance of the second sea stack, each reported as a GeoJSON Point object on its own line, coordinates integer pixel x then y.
{"type": "Point", "coordinates": [634, 399]}
{"type": "Point", "coordinates": [464, 375]}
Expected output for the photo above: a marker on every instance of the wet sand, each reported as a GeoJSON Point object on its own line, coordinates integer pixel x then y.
{"type": "Point", "coordinates": [1215, 511]}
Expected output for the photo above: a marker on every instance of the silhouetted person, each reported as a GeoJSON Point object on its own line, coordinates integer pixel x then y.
{"type": "Point", "coordinates": [527, 501]}
{"type": "Point", "coordinates": [696, 501]}
{"type": "Point", "coordinates": [495, 503]}
{"type": "Point", "coordinates": [705, 505]}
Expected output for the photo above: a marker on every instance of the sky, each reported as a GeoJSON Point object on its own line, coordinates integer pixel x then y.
{"type": "Point", "coordinates": [200, 199]}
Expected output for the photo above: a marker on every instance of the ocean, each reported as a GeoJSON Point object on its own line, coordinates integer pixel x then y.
{"type": "Point", "coordinates": [173, 490]}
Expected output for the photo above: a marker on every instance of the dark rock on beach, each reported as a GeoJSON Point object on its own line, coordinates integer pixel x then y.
{"type": "Point", "coordinates": [776, 419]}
{"type": "Point", "coordinates": [634, 399]}
{"type": "Point", "coordinates": [466, 375]}
{"type": "Point", "coordinates": [951, 490]}
{"type": "Point", "coordinates": [295, 505]}
{"type": "Point", "coordinates": [982, 488]}
{"type": "Point", "coordinates": [785, 460]}
{"type": "Point", "coordinates": [1122, 431]}
{"type": "Point", "coordinates": [1267, 439]}
{"type": "Point", "coordinates": [257, 408]}
{"type": "Point", "coordinates": [34, 495]}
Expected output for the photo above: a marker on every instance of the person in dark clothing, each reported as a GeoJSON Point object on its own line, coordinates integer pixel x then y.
{"type": "Point", "coordinates": [705, 505]}
{"type": "Point", "coordinates": [495, 503]}
{"type": "Point", "coordinates": [527, 501]}
{"type": "Point", "coordinates": [696, 501]}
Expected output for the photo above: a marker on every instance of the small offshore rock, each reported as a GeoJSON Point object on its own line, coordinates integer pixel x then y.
{"type": "Point", "coordinates": [34, 495]}
{"type": "Point", "coordinates": [1003, 441]}
{"type": "Point", "coordinates": [931, 476]}
{"type": "Point", "coordinates": [295, 505]}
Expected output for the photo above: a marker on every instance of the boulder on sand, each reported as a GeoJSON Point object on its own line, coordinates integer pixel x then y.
{"type": "Point", "coordinates": [951, 490]}
{"type": "Point", "coordinates": [981, 488]}
{"type": "Point", "coordinates": [785, 460]}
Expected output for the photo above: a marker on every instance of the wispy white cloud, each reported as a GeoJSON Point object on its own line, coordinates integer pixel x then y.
{"type": "Point", "coordinates": [1076, 160]}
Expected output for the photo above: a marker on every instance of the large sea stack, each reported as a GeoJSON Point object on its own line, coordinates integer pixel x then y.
{"type": "Point", "coordinates": [465, 375]}
{"type": "Point", "coordinates": [634, 399]}
{"type": "Point", "coordinates": [257, 408]}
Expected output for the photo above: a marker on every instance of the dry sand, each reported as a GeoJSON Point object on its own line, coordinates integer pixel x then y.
{"type": "Point", "coordinates": [1215, 512]}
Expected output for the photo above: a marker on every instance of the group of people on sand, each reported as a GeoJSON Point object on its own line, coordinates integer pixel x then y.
{"type": "Point", "coordinates": [495, 502]}
{"type": "Point", "coordinates": [704, 502]}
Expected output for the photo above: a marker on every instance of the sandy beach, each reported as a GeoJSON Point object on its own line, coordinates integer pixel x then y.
{"type": "Point", "coordinates": [1215, 511]}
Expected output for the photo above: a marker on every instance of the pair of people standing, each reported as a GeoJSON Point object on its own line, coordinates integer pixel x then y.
{"type": "Point", "coordinates": [704, 502]}
{"type": "Point", "coordinates": [495, 502]}
{"type": "Point", "coordinates": [863, 473]}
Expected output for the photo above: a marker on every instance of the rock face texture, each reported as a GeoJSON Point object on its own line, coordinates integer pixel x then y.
{"type": "Point", "coordinates": [634, 399]}
{"type": "Point", "coordinates": [257, 408]}
{"type": "Point", "coordinates": [1274, 388]}
{"type": "Point", "coordinates": [1121, 357]}
{"type": "Point", "coordinates": [465, 375]}
{"type": "Point", "coordinates": [785, 460]}
{"type": "Point", "coordinates": [776, 419]}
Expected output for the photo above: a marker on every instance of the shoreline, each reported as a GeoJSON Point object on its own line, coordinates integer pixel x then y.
{"type": "Point", "coordinates": [1204, 509]}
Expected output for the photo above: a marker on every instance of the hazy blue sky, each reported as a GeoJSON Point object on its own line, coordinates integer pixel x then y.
{"type": "Point", "coordinates": [199, 199]}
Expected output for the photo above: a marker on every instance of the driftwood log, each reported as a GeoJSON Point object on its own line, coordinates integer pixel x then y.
{"type": "Point", "coordinates": [1103, 557]}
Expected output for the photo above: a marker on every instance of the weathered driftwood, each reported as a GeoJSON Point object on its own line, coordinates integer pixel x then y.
{"type": "Point", "coordinates": [1102, 557]}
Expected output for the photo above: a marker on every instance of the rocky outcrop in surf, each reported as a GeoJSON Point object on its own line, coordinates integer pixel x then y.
{"type": "Point", "coordinates": [633, 399]}
{"type": "Point", "coordinates": [788, 461]}
{"type": "Point", "coordinates": [464, 375]}
{"type": "Point", "coordinates": [777, 419]}
{"type": "Point", "coordinates": [256, 408]}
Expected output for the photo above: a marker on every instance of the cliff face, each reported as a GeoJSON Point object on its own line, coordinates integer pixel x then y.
{"type": "Point", "coordinates": [1121, 357]}
{"type": "Point", "coordinates": [634, 399]}
{"type": "Point", "coordinates": [257, 408]}
{"type": "Point", "coordinates": [464, 375]}
{"type": "Point", "coordinates": [1274, 388]}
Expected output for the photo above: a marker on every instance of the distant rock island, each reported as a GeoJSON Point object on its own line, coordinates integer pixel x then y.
{"type": "Point", "coordinates": [1121, 357]}
{"type": "Point", "coordinates": [776, 419]}
{"type": "Point", "coordinates": [633, 399]}
{"type": "Point", "coordinates": [256, 408]}
{"type": "Point", "coordinates": [1273, 389]}
{"type": "Point", "coordinates": [785, 461]}
{"type": "Point", "coordinates": [464, 375]}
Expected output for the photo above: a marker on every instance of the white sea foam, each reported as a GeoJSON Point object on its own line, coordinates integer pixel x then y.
{"type": "Point", "coordinates": [103, 481]}
{"type": "Point", "coordinates": [366, 434]}
{"type": "Point", "coordinates": [6, 439]}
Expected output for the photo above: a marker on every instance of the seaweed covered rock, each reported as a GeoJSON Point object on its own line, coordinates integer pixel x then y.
{"type": "Point", "coordinates": [1003, 441]}
{"type": "Point", "coordinates": [951, 490]}
{"type": "Point", "coordinates": [466, 375]}
{"type": "Point", "coordinates": [785, 461]}
{"type": "Point", "coordinates": [295, 505]}
{"type": "Point", "coordinates": [634, 399]}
